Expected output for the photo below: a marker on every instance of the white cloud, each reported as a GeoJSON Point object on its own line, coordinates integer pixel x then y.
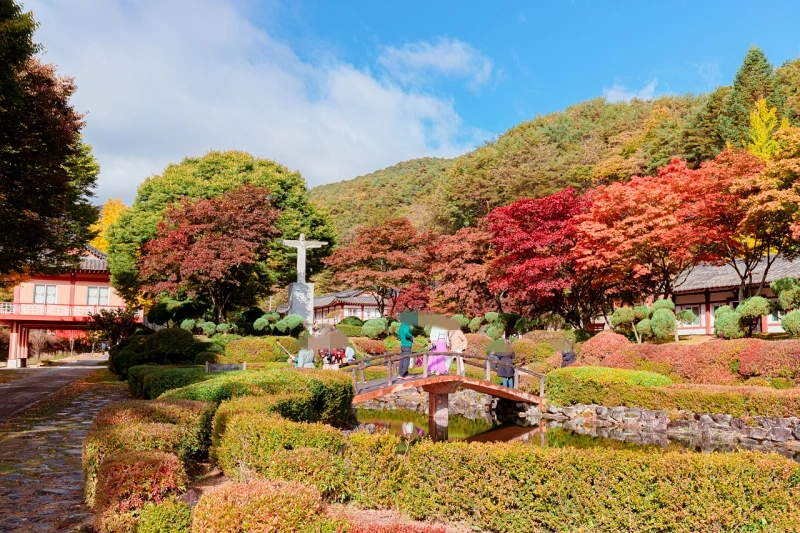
{"type": "Point", "coordinates": [451, 58]}
{"type": "Point", "coordinates": [619, 93]}
{"type": "Point", "coordinates": [165, 80]}
{"type": "Point", "coordinates": [710, 72]}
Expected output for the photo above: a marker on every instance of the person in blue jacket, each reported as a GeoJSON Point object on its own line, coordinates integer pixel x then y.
{"type": "Point", "coordinates": [406, 341]}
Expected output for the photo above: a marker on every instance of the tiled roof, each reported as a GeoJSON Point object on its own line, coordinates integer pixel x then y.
{"type": "Point", "coordinates": [94, 259]}
{"type": "Point", "coordinates": [719, 277]}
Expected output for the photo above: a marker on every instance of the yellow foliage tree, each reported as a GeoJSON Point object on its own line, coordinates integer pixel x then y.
{"type": "Point", "coordinates": [112, 209]}
{"type": "Point", "coordinates": [763, 122]}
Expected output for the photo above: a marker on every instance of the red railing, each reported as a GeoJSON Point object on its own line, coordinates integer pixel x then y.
{"type": "Point", "coordinates": [55, 309]}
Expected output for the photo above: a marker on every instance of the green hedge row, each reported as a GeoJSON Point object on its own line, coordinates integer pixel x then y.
{"type": "Point", "coordinates": [151, 381]}
{"type": "Point", "coordinates": [593, 385]}
{"type": "Point", "coordinates": [258, 350]}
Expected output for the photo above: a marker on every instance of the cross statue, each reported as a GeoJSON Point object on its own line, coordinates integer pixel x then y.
{"type": "Point", "coordinates": [302, 244]}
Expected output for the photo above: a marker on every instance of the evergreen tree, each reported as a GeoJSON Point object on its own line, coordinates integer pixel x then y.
{"type": "Point", "coordinates": [754, 80]}
{"type": "Point", "coordinates": [788, 82]}
{"type": "Point", "coordinates": [701, 134]}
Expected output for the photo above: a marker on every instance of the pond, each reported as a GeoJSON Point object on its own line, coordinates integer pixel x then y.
{"type": "Point", "coordinates": [410, 424]}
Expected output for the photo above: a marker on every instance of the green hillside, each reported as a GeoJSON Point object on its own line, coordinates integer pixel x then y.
{"type": "Point", "coordinates": [401, 190]}
{"type": "Point", "coordinates": [590, 143]}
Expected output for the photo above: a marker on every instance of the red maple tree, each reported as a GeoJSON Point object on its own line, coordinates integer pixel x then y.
{"type": "Point", "coordinates": [635, 231]}
{"type": "Point", "coordinates": [383, 259]}
{"type": "Point", "coordinates": [462, 270]}
{"type": "Point", "coordinates": [535, 240]}
{"type": "Point", "coordinates": [213, 249]}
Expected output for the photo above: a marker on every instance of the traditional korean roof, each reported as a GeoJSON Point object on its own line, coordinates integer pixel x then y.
{"type": "Point", "coordinates": [94, 259]}
{"type": "Point", "coordinates": [707, 276]}
{"type": "Point", "coordinates": [348, 297]}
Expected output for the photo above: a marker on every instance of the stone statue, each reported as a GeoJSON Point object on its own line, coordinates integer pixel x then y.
{"type": "Point", "coordinates": [301, 294]}
{"type": "Point", "coordinates": [302, 244]}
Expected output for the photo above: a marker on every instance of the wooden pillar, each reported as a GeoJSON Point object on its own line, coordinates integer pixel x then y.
{"type": "Point", "coordinates": [439, 407]}
{"type": "Point", "coordinates": [436, 431]}
{"type": "Point", "coordinates": [708, 312]}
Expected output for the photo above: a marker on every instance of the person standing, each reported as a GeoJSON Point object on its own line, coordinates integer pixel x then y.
{"type": "Point", "coordinates": [458, 344]}
{"type": "Point", "coordinates": [506, 371]}
{"type": "Point", "coordinates": [406, 345]}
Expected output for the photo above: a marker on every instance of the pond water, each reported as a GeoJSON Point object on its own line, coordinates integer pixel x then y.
{"type": "Point", "coordinates": [409, 424]}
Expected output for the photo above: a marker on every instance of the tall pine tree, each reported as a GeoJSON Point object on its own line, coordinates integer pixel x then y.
{"type": "Point", "coordinates": [701, 137]}
{"type": "Point", "coordinates": [754, 80]}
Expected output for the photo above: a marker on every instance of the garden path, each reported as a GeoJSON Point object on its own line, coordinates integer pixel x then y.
{"type": "Point", "coordinates": [41, 479]}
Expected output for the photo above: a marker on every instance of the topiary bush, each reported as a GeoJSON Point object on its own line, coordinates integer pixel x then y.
{"type": "Point", "coordinates": [781, 383]}
{"type": "Point", "coordinates": [169, 516]}
{"type": "Point", "coordinates": [374, 328]}
{"type": "Point", "coordinates": [311, 466]}
{"type": "Point", "coordinates": [603, 346]}
{"type": "Point", "coordinates": [791, 323]}
{"type": "Point", "coordinates": [728, 325]}
{"type": "Point", "coordinates": [669, 305]}
{"type": "Point", "coordinates": [258, 350]}
{"type": "Point", "coordinates": [663, 324]}
{"type": "Point", "coordinates": [274, 506]}
{"type": "Point", "coordinates": [349, 330]}
{"type": "Point", "coordinates": [172, 344]}
{"type": "Point", "coordinates": [124, 360]}
{"type": "Point", "coordinates": [475, 324]}
{"type": "Point", "coordinates": [250, 440]}
{"type": "Point", "coordinates": [752, 309]}
{"type": "Point", "coordinates": [645, 329]}
{"type": "Point", "coordinates": [495, 330]}
{"type": "Point", "coordinates": [528, 351]}
{"type": "Point", "coordinates": [126, 480]}
{"type": "Point", "coordinates": [155, 381]}
{"type": "Point", "coordinates": [477, 344]}
{"type": "Point", "coordinates": [462, 321]}
{"type": "Point", "coordinates": [188, 324]}
{"type": "Point", "coordinates": [375, 472]}
{"type": "Point", "coordinates": [290, 325]}
{"type": "Point", "coordinates": [491, 317]}
{"type": "Point", "coordinates": [351, 321]}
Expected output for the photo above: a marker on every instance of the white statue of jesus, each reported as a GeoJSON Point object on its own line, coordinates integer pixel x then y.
{"type": "Point", "coordinates": [302, 244]}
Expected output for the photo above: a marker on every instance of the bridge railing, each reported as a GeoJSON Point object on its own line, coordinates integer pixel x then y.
{"type": "Point", "coordinates": [359, 367]}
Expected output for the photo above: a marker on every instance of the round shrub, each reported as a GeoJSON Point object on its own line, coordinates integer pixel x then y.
{"type": "Point", "coordinates": [115, 522]}
{"type": "Point", "coordinates": [124, 360]}
{"type": "Point", "coordinates": [491, 317]}
{"type": "Point", "coordinates": [374, 328]}
{"type": "Point", "coordinates": [126, 480]}
{"type": "Point", "coordinates": [290, 325]}
{"type": "Point", "coordinates": [188, 324]}
{"type": "Point", "coordinates": [528, 351]}
{"type": "Point", "coordinates": [318, 468]}
{"type": "Point", "coordinates": [477, 344]}
{"type": "Point", "coordinates": [174, 344]}
{"type": "Point", "coordinates": [602, 346]}
{"type": "Point", "coordinates": [224, 328]}
{"type": "Point", "coordinates": [209, 328]}
{"type": "Point", "coordinates": [352, 321]}
{"type": "Point", "coordinates": [757, 382]}
{"type": "Point", "coordinates": [262, 324]}
{"type": "Point", "coordinates": [475, 324]}
{"type": "Point", "coordinates": [663, 323]}
{"type": "Point", "coordinates": [645, 328]}
{"type": "Point", "coordinates": [250, 440]}
{"type": "Point", "coordinates": [394, 328]}
{"type": "Point", "coordinates": [728, 325]}
{"type": "Point", "coordinates": [169, 516]}
{"type": "Point", "coordinates": [781, 383]}
{"type": "Point", "coordinates": [722, 310]}
{"type": "Point", "coordinates": [555, 338]}
{"type": "Point", "coordinates": [754, 308]}
{"type": "Point", "coordinates": [274, 506]}
{"type": "Point", "coordinates": [495, 330]}
{"type": "Point", "coordinates": [790, 299]}
{"type": "Point", "coordinates": [791, 323]}
{"type": "Point", "coordinates": [623, 318]}
{"type": "Point", "coordinates": [661, 304]}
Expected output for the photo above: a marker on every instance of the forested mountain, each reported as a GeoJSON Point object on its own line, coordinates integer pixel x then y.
{"type": "Point", "coordinates": [591, 143]}
{"type": "Point", "coordinates": [402, 190]}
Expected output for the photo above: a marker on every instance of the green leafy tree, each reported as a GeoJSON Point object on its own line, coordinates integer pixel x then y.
{"type": "Point", "coordinates": [701, 136]}
{"type": "Point", "coordinates": [46, 173]}
{"type": "Point", "coordinates": [787, 77]}
{"type": "Point", "coordinates": [754, 80]}
{"type": "Point", "coordinates": [209, 177]}
{"type": "Point", "coordinates": [751, 310]}
{"type": "Point", "coordinates": [788, 292]}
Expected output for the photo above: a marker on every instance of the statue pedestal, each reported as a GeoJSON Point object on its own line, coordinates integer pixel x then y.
{"type": "Point", "coordinates": [301, 301]}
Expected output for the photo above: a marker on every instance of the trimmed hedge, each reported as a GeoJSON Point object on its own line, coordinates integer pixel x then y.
{"type": "Point", "coordinates": [602, 375]}
{"type": "Point", "coordinates": [477, 344]}
{"type": "Point", "coordinates": [318, 468]}
{"type": "Point", "coordinates": [274, 506]}
{"type": "Point", "coordinates": [565, 388]}
{"type": "Point", "coordinates": [250, 439]}
{"type": "Point", "coordinates": [258, 350]}
{"type": "Point", "coordinates": [126, 480]}
{"type": "Point", "coordinates": [137, 436]}
{"type": "Point", "coordinates": [528, 351]}
{"type": "Point", "coordinates": [332, 391]}
{"type": "Point", "coordinates": [375, 473]}
{"type": "Point", "coordinates": [349, 330]}
{"type": "Point", "coordinates": [169, 516]}
{"type": "Point", "coordinates": [369, 346]}
{"type": "Point", "coordinates": [521, 488]}
{"type": "Point", "coordinates": [151, 381]}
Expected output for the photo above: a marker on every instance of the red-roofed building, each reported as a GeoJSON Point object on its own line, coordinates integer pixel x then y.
{"type": "Point", "coordinates": [58, 302]}
{"type": "Point", "coordinates": [331, 308]}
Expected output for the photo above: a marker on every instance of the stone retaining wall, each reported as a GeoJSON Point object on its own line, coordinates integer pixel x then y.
{"type": "Point", "coordinates": [711, 431]}
{"type": "Point", "coordinates": [467, 403]}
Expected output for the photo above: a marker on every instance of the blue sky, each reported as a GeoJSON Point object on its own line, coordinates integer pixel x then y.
{"type": "Point", "coordinates": [338, 89]}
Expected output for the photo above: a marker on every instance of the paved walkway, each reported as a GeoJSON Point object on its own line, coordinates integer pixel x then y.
{"type": "Point", "coordinates": [19, 395]}
{"type": "Point", "coordinates": [41, 479]}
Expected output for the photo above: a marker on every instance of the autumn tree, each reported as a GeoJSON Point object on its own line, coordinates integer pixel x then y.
{"type": "Point", "coordinates": [742, 211]}
{"type": "Point", "coordinates": [701, 138]}
{"type": "Point", "coordinates": [208, 177]}
{"type": "Point", "coordinates": [46, 173]}
{"type": "Point", "coordinates": [754, 80]}
{"type": "Point", "coordinates": [109, 213]}
{"type": "Point", "coordinates": [535, 241]}
{"type": "Point", "coordinates": [217, 250]}
{"type": "Point", "coordinates": [634, 230]}
{"type": "Point", "coordinates": [383, 259]}
{"type": "Point", "coordinates": [462, 271]}
{"type": "Point", "coordinates": [763, 124]}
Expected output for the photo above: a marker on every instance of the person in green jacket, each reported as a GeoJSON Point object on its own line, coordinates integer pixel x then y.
{"type": "Point", "coordinates": [406, 341]}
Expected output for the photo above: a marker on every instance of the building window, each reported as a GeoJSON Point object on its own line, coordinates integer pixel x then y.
{"type": "Point", "coordinates": [98, 296]}
{"type": "Point", "coordinates": [775, 316]}
{"type": "Point", "coordinates": [44, 294]}
{"type": "Point", "coordinates": [352, 311]}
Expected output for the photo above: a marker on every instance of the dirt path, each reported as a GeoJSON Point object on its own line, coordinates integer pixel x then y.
{"type": "Point", "coordinates": [41, 479]}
